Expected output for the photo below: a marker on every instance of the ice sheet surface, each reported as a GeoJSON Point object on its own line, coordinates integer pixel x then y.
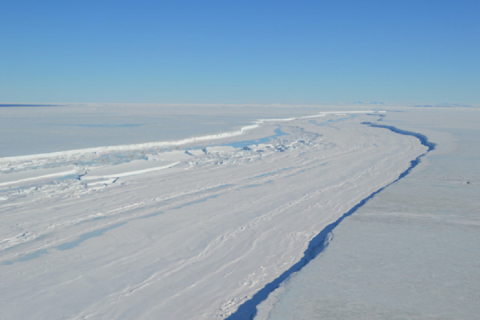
{"type": "Point", "coordinates": [191, 231]}
{"type": "Point", "coordinates": [413, 251]}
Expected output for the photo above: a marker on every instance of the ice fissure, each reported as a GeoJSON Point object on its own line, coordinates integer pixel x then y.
{"type": "Point", "coordinates": [320, 242]}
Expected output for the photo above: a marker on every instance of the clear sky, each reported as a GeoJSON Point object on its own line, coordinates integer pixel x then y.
{"type": "Point", "coordinates": [243, 51]}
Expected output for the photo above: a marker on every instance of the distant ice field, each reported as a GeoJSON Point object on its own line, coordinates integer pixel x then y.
{"type": "Point", "coordinates": [27, 130]}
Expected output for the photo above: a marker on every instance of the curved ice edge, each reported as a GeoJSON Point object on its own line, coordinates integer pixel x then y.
{"type": "Point", "coordinates": [248, 310]}
{"type": "Point", "coordinates": [128, 173]}
{"type": "Point", "coordinates": [423, 139]}
{"type": "Point", "coordinates": [57, 174]}
{"type": "Point", "coordinates": [139, 146]}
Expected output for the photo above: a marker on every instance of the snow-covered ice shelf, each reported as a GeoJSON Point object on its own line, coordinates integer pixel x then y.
{"type": "Point", "coordinates": [189, 232]}
{"type": "Point", "coordinates": [412, 251]}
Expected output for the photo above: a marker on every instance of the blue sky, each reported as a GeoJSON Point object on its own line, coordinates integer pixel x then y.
{"type": "Point", "coordinates": [242, 51]}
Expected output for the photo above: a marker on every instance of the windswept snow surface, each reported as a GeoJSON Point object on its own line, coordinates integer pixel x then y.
{"type": "Point", "coordinates": [190, 232]}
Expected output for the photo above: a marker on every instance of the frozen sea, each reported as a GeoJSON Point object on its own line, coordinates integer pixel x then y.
{"type": "Point", "coordinates": [27, 129]}
{"type": "Point", "coordinates": [413, 251]}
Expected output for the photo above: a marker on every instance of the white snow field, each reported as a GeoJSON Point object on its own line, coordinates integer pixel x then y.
{"type": "Point", "coordinates": [412, 251]}
{"type": "Point", "coordinates": [189, 229]}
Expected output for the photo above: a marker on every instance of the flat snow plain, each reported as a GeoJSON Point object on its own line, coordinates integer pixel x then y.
{"type": "Point", "coordinates": [189, 229]}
